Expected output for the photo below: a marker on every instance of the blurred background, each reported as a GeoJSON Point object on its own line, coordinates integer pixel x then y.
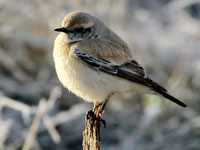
{"type": "Point", "coordinates": [37, 113]}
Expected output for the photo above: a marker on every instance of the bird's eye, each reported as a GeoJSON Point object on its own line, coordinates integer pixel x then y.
{"type": "Point", "coordinates": [79, 30]}
{"type": "Point", "coordinates": [88, 29]}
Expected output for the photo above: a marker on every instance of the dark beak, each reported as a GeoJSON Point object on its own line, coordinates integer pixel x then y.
{"type": "Point", "coordinates": [61, 30]}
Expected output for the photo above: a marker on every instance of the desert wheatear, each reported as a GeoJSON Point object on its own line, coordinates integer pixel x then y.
{"type": "Point", "coordinates": [93, 62]}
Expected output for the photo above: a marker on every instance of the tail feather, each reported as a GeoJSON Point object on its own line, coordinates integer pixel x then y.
{"type": "Point", "coordinates": [171, 98]}
{"type": "Point", "coordinates": [162, 91]}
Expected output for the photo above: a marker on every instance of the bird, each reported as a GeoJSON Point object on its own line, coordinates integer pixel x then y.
{"type": "Point", "coordinates": [94, 63]}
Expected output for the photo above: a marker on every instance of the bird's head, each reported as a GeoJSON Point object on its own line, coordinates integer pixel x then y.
{"type": "Point", "coordinates": [79, 26]}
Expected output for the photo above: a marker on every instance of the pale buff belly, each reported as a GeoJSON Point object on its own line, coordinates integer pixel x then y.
{"type": "Point", "coordinates": [90, 84]}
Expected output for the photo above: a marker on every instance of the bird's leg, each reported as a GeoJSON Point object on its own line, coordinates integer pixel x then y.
{"type": "Point", "coordinates": [99, 108]}
{"type": "Point", "coordinates": [103, 105]}
{"type": "Point", "coordinates": [96, 113]}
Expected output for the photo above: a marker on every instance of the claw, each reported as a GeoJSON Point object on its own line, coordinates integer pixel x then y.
{"type": "Point", "coordinates": [91, 115]}
{"type": "Point", "coordinates": [103, 122]}
{"type": "Point", "coordinates": [99, 116]}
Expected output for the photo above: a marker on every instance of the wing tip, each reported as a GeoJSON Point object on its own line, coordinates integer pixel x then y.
{"type": "Point", "coordinates": [184, 105]}
{"type": "Point", "coordinates": [172, 98]}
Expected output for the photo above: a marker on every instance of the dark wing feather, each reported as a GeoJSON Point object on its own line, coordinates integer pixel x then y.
{"type": "Point", "coordinates": [98, 64]}
{"type": "Point", "coordinates": [131, 71]}
{"type": "Point", "coordinates": [134, 67]}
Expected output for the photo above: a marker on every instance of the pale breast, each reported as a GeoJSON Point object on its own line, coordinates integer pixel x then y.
{"type": "Point", "coordinates": [87, 83]}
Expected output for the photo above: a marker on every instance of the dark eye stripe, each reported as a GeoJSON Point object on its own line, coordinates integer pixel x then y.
{"type": "Point", "coordinates": [88, 29]}
{"type": "Point", "coordinates": [79, 30]}
{"type": "Point", "coordinates": [82, 30]}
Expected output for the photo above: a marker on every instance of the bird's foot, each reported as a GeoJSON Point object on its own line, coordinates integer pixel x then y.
{"type": "Point", "coordinates": [95, 116]}
{"type": "Point", "coordinates": [99, 116]}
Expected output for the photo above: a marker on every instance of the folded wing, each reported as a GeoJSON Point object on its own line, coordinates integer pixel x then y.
{"type": "Point", "coordinates": [131, 71]}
